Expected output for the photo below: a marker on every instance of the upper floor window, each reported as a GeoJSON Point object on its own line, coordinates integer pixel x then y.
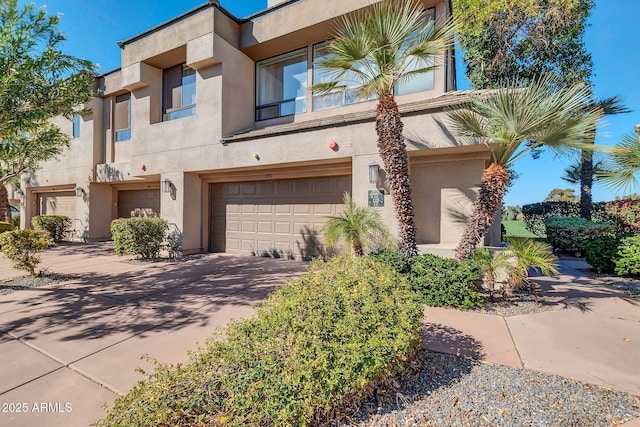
{"type": "Point", "coordinates": [122, 117]}
{"type": "Point", "coordinates": [421, 81]}
{"type": "Point", "coordinates": [281, 85]}
{"type": "Point", "coordinates": [76, 126]}
{"type": "Point", "coordinates": [178, 92]}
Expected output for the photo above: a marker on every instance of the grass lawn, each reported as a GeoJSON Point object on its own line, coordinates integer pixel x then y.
{"type": "Point", "coordinates": [517, 229]}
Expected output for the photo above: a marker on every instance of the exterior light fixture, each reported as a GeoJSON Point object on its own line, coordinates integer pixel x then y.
{"type": "Point", "coordinates": [18, 194]}
{"type": "Point", "coordinates": [374, 173]}
{"type": "Point", "coordinates": [166, 186]}
{"type": "Point", "coordinates": [79, 191]}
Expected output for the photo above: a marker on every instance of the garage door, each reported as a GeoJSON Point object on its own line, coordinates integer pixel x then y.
{"type": "Point", "coordinates": [62, 203]}
{"type": "Point", "coordinates": [274, 218]}
{"type": "Point", "coordinates": [132, 203]}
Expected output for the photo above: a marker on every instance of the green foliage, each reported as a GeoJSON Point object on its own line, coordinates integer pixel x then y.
{"type": "Point", "coordinates": [523, 39]}
{"type": "Point", "coordinates": [442, 282]}
{"type": "Point", "coordinates": [602, 253]}
{"type": "Point", "coordinates": [356, 225]}
{"type": "Point", "coordinates": [511, 213]}
{"type": "Point", "coordinates": [529, 253]}
{"type": "Point", "coordinates": [6, 226]}
{"type": "Point", "coordinates": [536, 214]}
{"type": "Point", "coordinates": [628, 263]}
{"type": "Point", "coordinates": [323, 340]}
{"type": "Point", "coordinates": [623, 164]}
{"type": "Point", "coordinates": [21, 246]}
{"type": "Point", "coordinates": [570, 234]}
{"type": "Point", "coordinates": [57, 225]}
{"type": "Point", "coordinates": [138, 236]}
{"type": "Point", "coordinates": [560, 195]}
{"type": "Point", "coordinates": [15, 220]}
{"type": "Point", "coordinates": [492, 265]}
{"type": "Point", "coordinates": [625, 213]}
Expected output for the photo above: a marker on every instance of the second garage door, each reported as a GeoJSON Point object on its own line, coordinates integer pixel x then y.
{"type": "Point", "coordinates": [274, 218]}
{"type": "Point", "coordinates": [132, 203]}
{"type": "Point", "coordinates": [60, 203]}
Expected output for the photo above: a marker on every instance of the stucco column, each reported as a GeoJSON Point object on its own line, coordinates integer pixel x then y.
{"type": "Point", "coordinates": [182, 208]}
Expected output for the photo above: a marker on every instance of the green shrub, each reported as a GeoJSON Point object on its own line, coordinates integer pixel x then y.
{"type": "Point", "coordinates": [628, 263]}
{"type": "Point", "coordinates": [323, 340]}
{"type": "Point", "coordinates": [536, 214]}
{"type": "Point", "coordinates": [570, 234]}
{"type": "Point", "coordinates": [442, 282]}
{"type": "Point", "coordinates": [138, 236]}
{"type": "Point", "coordinates": [602, 253]}
{"type": "Point", "coordinates": [57, 225]}
{"type": "Point", "coordinates": [21, 246]}
{"type": "Point", "coordinates": [5, 226]}
{"type": "Point", "coordinates": [15, 220]}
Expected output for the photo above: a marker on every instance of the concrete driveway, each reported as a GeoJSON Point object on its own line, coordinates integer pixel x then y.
{"type": "Point", "coordinates": [68, 349]}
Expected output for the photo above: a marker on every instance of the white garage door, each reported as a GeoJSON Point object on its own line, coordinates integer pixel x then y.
{"type": "Point", "coordinates": [274, 218]}
{"type": "Point", "coordinates": [60, 203]}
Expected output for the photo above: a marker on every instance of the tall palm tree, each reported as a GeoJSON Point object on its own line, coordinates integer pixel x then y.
{"type": "Point", "coordinates": [573, 172]}
{"type": "Point", "coordinates": [607, 106]}
{"type": "Point", "coordinates": [389, 43]}
{"type": "Point", "coordinates": [356, 225]}
{"type": "Point", "coordinates": [623, 164]}
{"type": "Point", "coordinates": [511, 122]}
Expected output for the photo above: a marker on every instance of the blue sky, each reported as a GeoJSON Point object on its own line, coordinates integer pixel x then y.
{"type": "Point", "coordinates": [94, 27]}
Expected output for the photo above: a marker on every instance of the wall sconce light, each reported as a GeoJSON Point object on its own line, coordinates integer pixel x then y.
{"type": "Point", "coordinates": [374, 173]}
{"type": "Point", "coordinates": [79, 191]}
{"type": "Point", "coordinates": [18, 194]}
{"type": "Point", "coordinates": [166, 186]}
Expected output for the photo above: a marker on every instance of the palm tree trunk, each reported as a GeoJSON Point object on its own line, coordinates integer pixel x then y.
{"type": "Point", "coordinates": [358, 250]}
{"type": "Point", "coordinates": [5, 209]}
{"type": "Point", "coordinates": [586, 182]}
{"type": "Point", "coordinates": [396, 163]}
{"type": "Point", "coordinates": [493, 187]}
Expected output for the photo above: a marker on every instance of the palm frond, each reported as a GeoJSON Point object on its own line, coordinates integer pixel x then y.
{"type": "Point", "coordinates": [623, 165]}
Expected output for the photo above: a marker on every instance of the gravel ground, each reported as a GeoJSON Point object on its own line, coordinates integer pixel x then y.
{"type": "Point", "coordinates": [449, 390]}
{"type": "Point", "coordinates": [521, 302]}
{"type": "Point", "coordinates": [26, 282]}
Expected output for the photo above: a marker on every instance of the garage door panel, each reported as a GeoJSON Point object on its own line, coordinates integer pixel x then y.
{"type": "Point", "coordinates": [60, 203]}
{"type": "Point", "coordinates": [276, 218]}
{"type": "Point", "coordinates": [138, 203]}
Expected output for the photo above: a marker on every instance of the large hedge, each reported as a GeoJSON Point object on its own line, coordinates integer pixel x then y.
{"type": "Point", "coordinates": [324, 340]}
{"type": "Point", "coordinates": [571, 234]}
{"type": "Point", "coordinates": [628, 260]}
{"type": "Point", "coordinates": [58, 226]}
{"type": "Point", "coordinates": [536, 214]}
{"type": "Point", "coordinates": [625, 213]}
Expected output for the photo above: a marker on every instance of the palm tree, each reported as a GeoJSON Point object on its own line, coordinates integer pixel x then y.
{"type": "Point", "coordinates": [573, 172]}
{"type": "Point", "coordinates": [389, 43]}
{"type": "Point", "coordinates": [623, 166]}
{"type": "Point", "coordinates": [356, 225]}
{"type": "Point", "coordinates": [492, 265]}
{"type": "Point", "coordinates": [607, 106]}
{"type": "Point", "coordinates": [511, 122]}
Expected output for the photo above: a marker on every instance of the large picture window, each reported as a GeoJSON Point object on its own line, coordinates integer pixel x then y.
{"type": "Point", "coordinates": [122, 117]}
{"type": "Point", "coordinates": [281, 85]}
{"type": "Point", "coordinates": [178, 92]}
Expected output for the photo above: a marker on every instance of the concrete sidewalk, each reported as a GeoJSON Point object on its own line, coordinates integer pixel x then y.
{"type": "Point", "coordinates": [67, 349]}
{"type": "Point", "coordinates": [591, 334]}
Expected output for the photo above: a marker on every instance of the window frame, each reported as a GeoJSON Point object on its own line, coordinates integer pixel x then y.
{"type": "Point", "coordinates": [274, 60]}
{"type": "Point", "coordinates": [182, 111]}
{"type": "Point", "coordinates": [75, 127]}
{"type": "Point", "coordinates": [125, 132]}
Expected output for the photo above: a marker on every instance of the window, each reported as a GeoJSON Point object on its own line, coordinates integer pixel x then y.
{"type": "Point", "coordinates": [122, 117]}
{"type": "Point", "coordinates": [281, 85]}
{"type": "Point", "coordinates": [342, 96]}
{"type": "Point", "coordinates": [76, 126]}
{"type": "Point", "coordinates": [178, 92]}
{"type": "Point", "coordinates": [422, 81]}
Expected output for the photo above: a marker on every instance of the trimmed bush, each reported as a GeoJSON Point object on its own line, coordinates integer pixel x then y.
{"type": "Point", "coordinates": [570, 234]}
{"type": "Point", "coordinates": [323, 340]}
{"type": "Point", "coordinates": [5, 226]}
{"type": "Point", "coordinates": [15, 220]}
{"type": "Point", "coordinates": [628, 263]}
{"type": "Point", "coordinates": [602, 253]}
{"type": "Point", "coordinates": [21, 246]}
{"type": "Point", "coordinates": [138, 236]}
{"type": "Point", "coordinates": [536, 214]}
{"type": "Point", "coordinates": [57, 225]}
{"type": "Point", "coordinates": [442, 282]}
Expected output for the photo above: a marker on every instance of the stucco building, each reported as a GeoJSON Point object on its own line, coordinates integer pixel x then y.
{"type": "Point", "coordinates": [212, 124]}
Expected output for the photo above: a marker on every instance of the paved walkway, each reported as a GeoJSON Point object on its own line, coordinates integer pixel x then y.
{"type": "Point", "coordinates": [591, 334]}
{"type": "Point", "coordinates": [66, 350]}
